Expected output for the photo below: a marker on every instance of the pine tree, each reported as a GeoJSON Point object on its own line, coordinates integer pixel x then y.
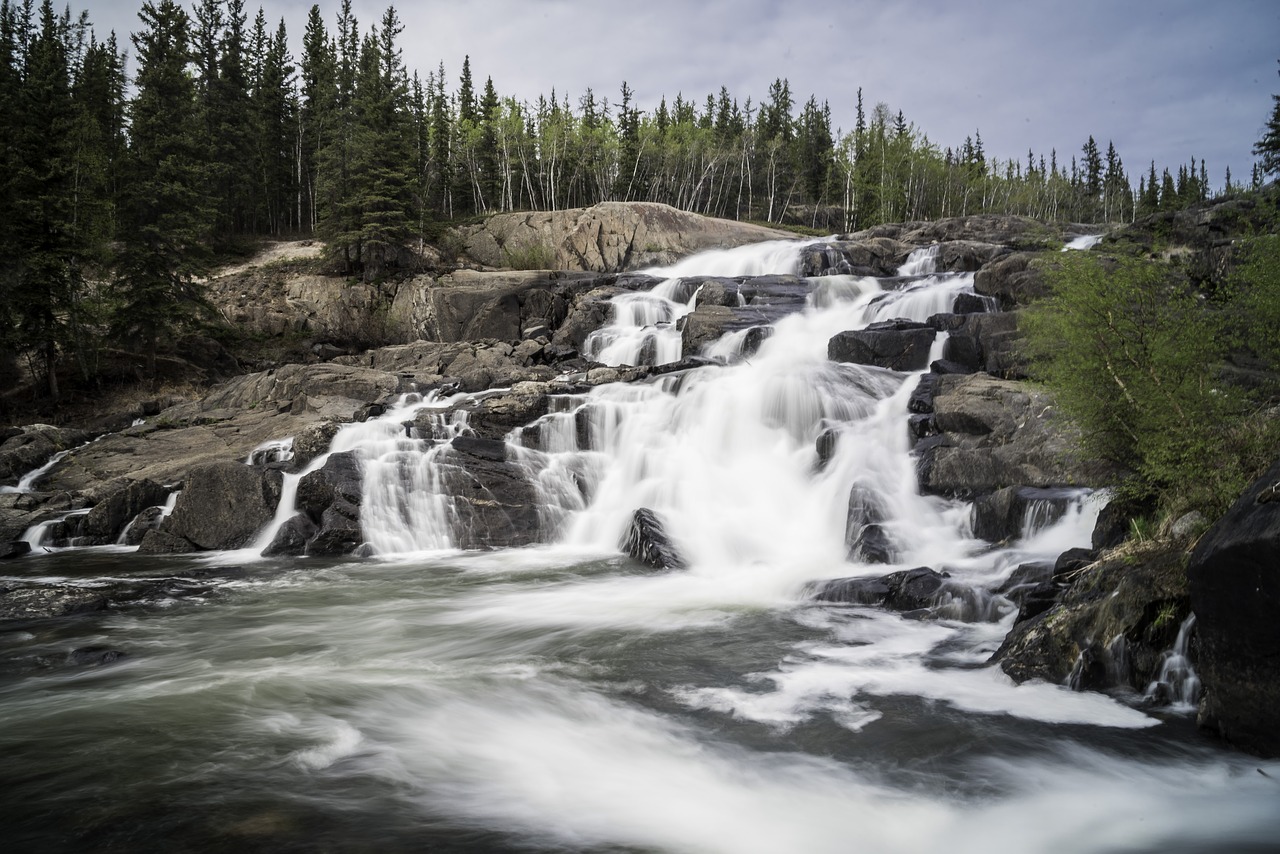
{"type": "Point", "coordinates": [47, 276]}
{"type": "Point", "coordinates": [1268, 145]}
{"type": "Point", "coordinates": [490, 118]}
{"type": "Point", "coordinates": [467, 110]}
{"type": "Point", "coordinates": [316, 111]}
{"type": "Point", "coordinates": [164, 221]}
{"type": "Point", "coordinates": [337, 214]}
{"type": "Point", "coordinates": [1092, 179]}
{"type": "Point", "coordinates": [378, 215]}
{"type": "Point", "coordinates": [275, 111]}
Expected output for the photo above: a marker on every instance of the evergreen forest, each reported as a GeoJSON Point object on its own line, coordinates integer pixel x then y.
{"type": "Point", "coordinates": [129, 163]}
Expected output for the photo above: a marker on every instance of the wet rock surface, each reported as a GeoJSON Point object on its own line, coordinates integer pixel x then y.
{"type": "Point", "coordinates": [646, 540]}
{"type": "Point", "coordinates": [908, 590]}
{"type": "Point", "coordinates": [1234, 577]}
{"type": "Point", "coordinates": [1110, 626]}
{"type": "Point", "coordinates": [223, 505]}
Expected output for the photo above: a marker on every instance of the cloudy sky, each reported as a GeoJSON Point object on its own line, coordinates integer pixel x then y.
{"type": "Point", "coordinates": [1166, 80]}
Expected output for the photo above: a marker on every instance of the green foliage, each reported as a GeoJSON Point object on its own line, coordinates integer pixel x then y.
{"type": "Point", "coordinates": [531, 256]}
{"type": "Point", "coordinates": [164, 214]}
{"type": "Point", "coordinates": [1254, 294]}
{"type": "Point", "coordinates": [1131, 352]}
{"type": "Point", "coordinates": [1268, 145]}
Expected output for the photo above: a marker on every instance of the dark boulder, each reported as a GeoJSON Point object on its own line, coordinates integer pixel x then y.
{"type": "Point", "coordinates": [825, 446]}
{"type": "Point", "coordinates": [1111, 627]}
{"type": "Point", "coordinates": [14, 548]}
{"type": "Point", "coordinates": [754, 339]}
{"type": "Point", "coordinates": [872, 544]}
{"type": "Point", "coordinates": [158, 542]}
{"type": "Point", "coordinates": [493, 504]}
{"type": "Point", "coordinates": [1013, 280]}
{"type": "Point", "coordinates": [293, 536]}
{"type": "Point", "coordinates": [646, 540]}
{"type": "Point", "coordinates": [972, 304]}
{"type": "Point", "coordinates": [898, 348]}
{"type": "Point", "coordinates": [223, 505]}
{"type": "Point", "coordinates": [1032, 589]}
{"type": "Point", "coordinates": [149, 519]}
{"type": "Point", "coordinates": [94, 656]}
{"type": "Point", "coordinates": [1234, 576]}
{"type": "Point", "coordinates": [1072, 561]}
{"type": "Point", "coordinates": [330, 497]}
{"type": "Point", "coordinates": [124, 500]}
{"type": "Point", "coordinates": [986, 342]}
{"type": "Point", "coordinates": [921, 400]}
{"type": "Point", "coordinates": [908, 590]}
{"type": "Point", "coordinates": [707, 323]}
{"type": "Point", "coordinates": [1008, 513]}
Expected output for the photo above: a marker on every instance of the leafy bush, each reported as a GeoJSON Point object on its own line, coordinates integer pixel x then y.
{"type": "Point", "coordinates": [1132, 354]}
{"type": "Point", "coordinates": [530, 256]}
{"type": "Point", "coordinates": [1254, 299]}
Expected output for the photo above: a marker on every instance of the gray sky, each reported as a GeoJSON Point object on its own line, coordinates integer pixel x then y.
{"type": "Point", "coordinates": [1164, 79]}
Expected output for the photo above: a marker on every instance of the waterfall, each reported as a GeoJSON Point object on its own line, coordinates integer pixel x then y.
{"type": "Point", "coordinates": [1177, 683]}
{"type": "Point", "coordinates": [1083, 242]}
{"type": "Point", "coordinates": [725, 455]}
{"type": "Point", "coordinates": [27, 483]}
{"type": "Point", "coordinates": [271, 451]}
{"type": "Point", "coordinates": [644, 327]}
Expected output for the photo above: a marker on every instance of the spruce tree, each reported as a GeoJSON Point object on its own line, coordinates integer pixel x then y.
{"type": "Point", "coordinates": [375, 219]}
{"type": "Point", "coordinates": [1268, 145]}
{"type": "Point", "coordinates": [275, 113]}
{"type": "Point", "coordinates": [338, 218]}
{"type": "Point", "coordinates": [164, 220]}
{"type": "Point", "coordinates": [490, 118]}
{"type": "Point", "coordinates": [316, 111]}
{"type": "Point", "coordinates": [47, 275]}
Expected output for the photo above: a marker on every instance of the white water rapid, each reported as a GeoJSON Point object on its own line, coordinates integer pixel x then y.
{"type": "Point", "coordinates": [564, 698]}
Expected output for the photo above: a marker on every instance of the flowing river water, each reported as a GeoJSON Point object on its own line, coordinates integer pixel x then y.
{"type": "Point", "coordinates": [565, 698]}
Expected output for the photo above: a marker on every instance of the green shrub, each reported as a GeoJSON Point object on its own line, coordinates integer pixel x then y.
{"type": "Point", "coordinates": [531, 256]}
{"type": "Point", "coordinates": [1253, 291]}
{"type": "Point", "coordinates": [1132, 353]}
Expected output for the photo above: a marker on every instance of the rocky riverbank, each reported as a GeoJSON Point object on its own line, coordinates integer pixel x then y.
{"type": "Point", "coordinates": [1101, 619]}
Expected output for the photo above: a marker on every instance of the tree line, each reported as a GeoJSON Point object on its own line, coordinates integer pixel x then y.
{"type": "Point", "coordinates": [116, 191]}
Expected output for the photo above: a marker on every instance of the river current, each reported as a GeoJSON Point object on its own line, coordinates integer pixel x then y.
{"type": "Point", "coordinates": [563, 697]}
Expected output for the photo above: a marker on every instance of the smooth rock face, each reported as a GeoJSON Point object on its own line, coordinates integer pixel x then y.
{"type": "Point", "coordinates": [223, 505]}
{"type": "Point", "coordinates": [1235, 593]}
{"type": "Point", "coordinates": [329, 499]}
{"type": "Point", "coordinates": [111, 514]}
{"type": "Point", "coordinates": [608, 237]}
{"type": "Point", "coordinates": [494, 504]}
{"type": "Point", "coordinates": [31, 447]}
{"type": "Point", "coordinates": [905, 348]}
{"type": "Point", "coordinates": [995, 433]}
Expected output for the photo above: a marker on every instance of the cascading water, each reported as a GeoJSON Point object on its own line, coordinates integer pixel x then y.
{"type": "Point", "coordinates": [1083, 242]}
{"type": "Point", "coordinates": [1178, 682]}
{"type": "Point", "coordinates": [726, 454]}
{"type": "Point", "coordinates": [562, 698]}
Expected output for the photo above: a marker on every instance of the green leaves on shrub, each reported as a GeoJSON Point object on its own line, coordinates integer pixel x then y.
{"type": "Point", "coordinates": [1132, 354]}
